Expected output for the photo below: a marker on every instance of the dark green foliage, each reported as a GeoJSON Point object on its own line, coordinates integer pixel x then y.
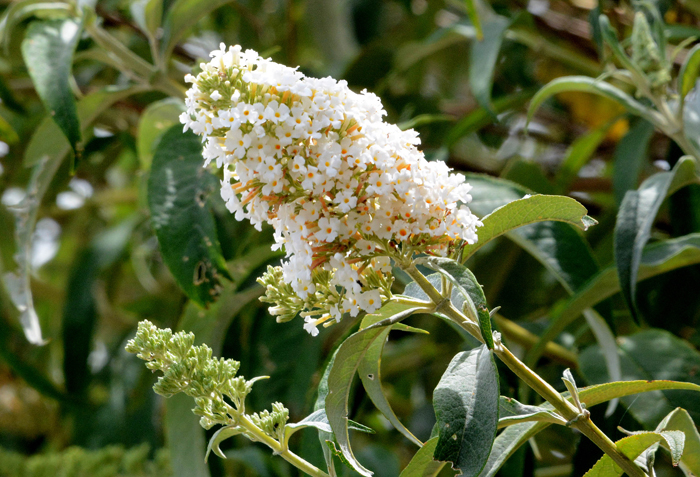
{"type": "Point", "coordinates": [107, 80]}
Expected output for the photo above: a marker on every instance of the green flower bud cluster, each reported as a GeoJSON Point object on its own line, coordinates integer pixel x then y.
{"type": "Point", "coordinates": [646, 53]}
{"type": "Point", "coordinates": [279, 293]}
{"type": "Point", "coordinates": [210, 381]}
{"type": "Point", "coordinates": [272, 423]}
{"type": "Point", "coordinates": [325, 302]}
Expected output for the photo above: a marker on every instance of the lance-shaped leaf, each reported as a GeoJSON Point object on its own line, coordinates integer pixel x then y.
{"type": "Point", "coordinates": [178, 192]}
{"type": "Point", "coordinates": [48, 53]}
{"type": "Point", "coordinates": [529, 210]}
{"type": "Point", "coordinates": [370, 371]}
{"type": "Point", "coordinates": [508, 442]}
{"type": "Point", "coordinates": [147, 14]}
{"type": "Point", "coordinates": [674, 442]}
{"type": "Point", "coordinates": [466, 282]}
{"type": "Point", "coordinates": [636, 217]}
{"type": "Point", "coordinates": [483, 57]}
{"type": "Point", "coordinates": [466, 408]}
{"type": "Point", "coordinates": [680, 420]}
{"type": "Point", "coordinates": [423, 464]}
{"type": "Point", "coordinates": [689, 72]}
{"type": "Point", "coordinates": [609, 35]}
{"type": "Point", "coordinates": [630, 155]}
{"type": "Point", "coordinates": [579, 153]}
{"type": "Point", "coordinates": [322, 393]}
{"type": "Point", "coordinates": [19, 11]}
{"type": "Point", "coordinates": [584, 84]}
{"type": "Point", "coordinates": [656, 259]}
{"type": "Point", "coordinates": [512, 412]}
{"type": "Point", "coordinates": [319, 420]}
{"type": "Point", "coordinates": [218, 437]}
{"type": "Point", "coordinates": [182, 16]}
{"type": "Point", "coordinates": [345, 364]}
{"type": "Point", "coordinates": [571, 260]}
{"type": "Point", "coordinates": [632, 446]}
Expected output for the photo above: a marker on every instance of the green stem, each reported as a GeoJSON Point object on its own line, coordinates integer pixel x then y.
{"type": "Point", "coordinates": [532, 379]}
{"type": "Point", "coordinates": [256, 434]}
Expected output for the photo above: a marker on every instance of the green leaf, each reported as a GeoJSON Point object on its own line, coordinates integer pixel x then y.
{"type": "Point", "coordinates": [422, 464]}
{"type": "Point", "coordinates": [579, 153]}
{"type": "Point", "coordinates": [16, 12]}
{"type": "Point", "coordinates": [466, 409]}
{"type": "Point", "coordinates": [322, 394]}
{"type": "Point", "coordinates": [182, 16]}
{"type": "Point", "coordinates": [656, 259]}
{"type": "Point", "coordinates": [512, 412]}
{"type": "Point", "coordinates": [148, 15]}
{"type": "Point", "coordinates": [178, 191]}
{"type": "Point", "coordinates": [610, 37]}
{"type": "Point", "coordinates": [606, 339]}
{"type": "Point", "coordinates": [370, 372]}
{"type": "Point", "coordinates": [632, 446]}
{"type": "Point", "coordinates": [48, 51]}
{"type": "Point", "coordinates": [600, 393]}
{"type": "Point", "coordinates": [680, 420]}
{"type": "Point", "coordinates": [342, 372]}
{"type": "Point", "coordinates": [571, 260]}
{"type": "Point", "coordinates": [466, 282]}
{"type": "Point", "coordinates": [481, 117]}
{"type": "Point", "coordinates": [585, 84]}
{"type": "Point", "coordinates": [7, 133]}
{"type": "Point", "coordinates": [473, 14]}
{"type": "Point", "coordinates": [425, 119]}
{"type": "Point", "coordinates": [629, 158]}
{"type": "Point", "coordinates": [636, 217]}
{"type": "Point", "coordinates": [688, 75]}
{"type": "Point", "coordinates": [483, 57]}
{"type": "Point", "coordinates": [525, 211]}
{"type": "Point", "coordinates": [319, 420]}
{"type": "Point", "coordinates": [508, 442]}
{"type": "Point", "coordinates": [155, 120]}
{"type": "Point", "coordinates": [219, 436]}
{"type": "Point", "coordinates": [675, 441]}
{"type": "Point", "coordinates": [570, 384]}
{"type": "Point", "coordinates": [49, 143]}
{"type": "Point", "coordinates": [691, 120]}
{"type": "Point", "coordinates": [652, 355]}
{"type": "Point", "coordinates": [185, 438]}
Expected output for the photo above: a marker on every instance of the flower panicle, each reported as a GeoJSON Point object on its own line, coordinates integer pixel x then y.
{"type": "Point", "coordinates": [190, 369]}
{"type": "Point", "coordinates": [344, 191]}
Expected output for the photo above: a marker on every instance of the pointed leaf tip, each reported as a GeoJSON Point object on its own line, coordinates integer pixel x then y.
{"type": "Point", "coordinates": [588, 221]}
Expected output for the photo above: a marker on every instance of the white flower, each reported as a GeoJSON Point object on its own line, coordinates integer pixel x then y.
{"type": "Point", "coordinates": [343, 190]}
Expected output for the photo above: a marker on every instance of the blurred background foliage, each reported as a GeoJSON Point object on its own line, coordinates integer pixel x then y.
{"type": "Point", "coordinates": [79, 405]}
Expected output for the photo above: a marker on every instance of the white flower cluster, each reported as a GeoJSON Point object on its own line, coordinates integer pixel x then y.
{"type": "Point", "coordinates": [344, 190]}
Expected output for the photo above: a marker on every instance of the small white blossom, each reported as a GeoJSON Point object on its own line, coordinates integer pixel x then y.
{"type": "Point", "coordinates": [344, 190]}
